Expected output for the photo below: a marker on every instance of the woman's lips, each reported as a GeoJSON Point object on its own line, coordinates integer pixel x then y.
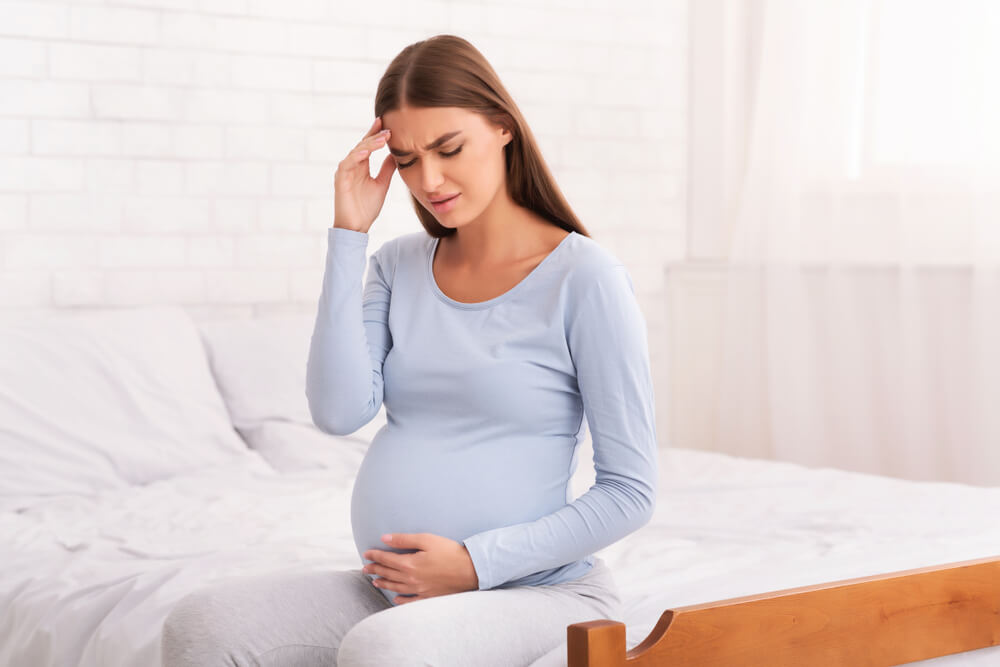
{"type": "Point", "coordinates": [446, 205]}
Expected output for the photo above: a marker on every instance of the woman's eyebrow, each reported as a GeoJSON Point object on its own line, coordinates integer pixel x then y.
{"type": "Point", "coordinates": [434, 144]}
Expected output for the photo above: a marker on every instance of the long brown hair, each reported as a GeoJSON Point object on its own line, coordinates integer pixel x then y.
{"type": "Point", "coordinates": [448, 71]}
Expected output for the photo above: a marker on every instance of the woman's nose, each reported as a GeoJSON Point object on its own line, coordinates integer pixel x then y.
{"type": "Point", "coordinates": [431, 179]}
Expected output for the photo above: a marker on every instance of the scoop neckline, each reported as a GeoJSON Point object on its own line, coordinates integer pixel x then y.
{"type": "Point", "coordinates": [477, 305]}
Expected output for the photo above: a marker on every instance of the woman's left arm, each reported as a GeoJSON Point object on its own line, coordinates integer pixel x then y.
{"type": "Point", "coordinates": [608, 343]}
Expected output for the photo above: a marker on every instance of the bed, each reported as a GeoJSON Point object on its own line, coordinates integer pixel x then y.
{"type": "Point", "coordinates": [144, 454]}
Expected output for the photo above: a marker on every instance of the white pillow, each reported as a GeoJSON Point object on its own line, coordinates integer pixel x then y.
{"type": "Point", "coordinates": [99, 399]}
{"type": "Point", "coordinates": [260, 367]}
{"type": "Point", "coordinates": [290, 447]}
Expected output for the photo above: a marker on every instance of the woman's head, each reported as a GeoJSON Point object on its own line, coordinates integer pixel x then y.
{"type": "Point", "coordinates": [444, 85]}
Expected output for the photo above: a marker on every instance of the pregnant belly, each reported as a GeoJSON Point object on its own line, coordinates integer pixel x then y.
{"type": "Point", "coordinates": [408, 484]}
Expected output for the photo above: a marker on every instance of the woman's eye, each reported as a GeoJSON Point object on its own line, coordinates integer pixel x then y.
{"type": "Point", "coordinates": [453, 153]}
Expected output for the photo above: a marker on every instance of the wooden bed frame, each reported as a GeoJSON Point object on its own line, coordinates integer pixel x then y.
{"type": "Point", "coordinates": [888, 619]}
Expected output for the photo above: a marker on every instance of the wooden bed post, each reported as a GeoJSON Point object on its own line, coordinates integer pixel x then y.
{"type": "Point", "coordinates": [888, 619]}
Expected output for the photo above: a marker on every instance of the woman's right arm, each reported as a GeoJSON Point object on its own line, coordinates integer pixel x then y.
{"type": "Point", "coordinates": [351, 337]}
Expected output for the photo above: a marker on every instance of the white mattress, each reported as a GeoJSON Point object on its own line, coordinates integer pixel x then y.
{"type": "Point", "coordinates": [89, 580]}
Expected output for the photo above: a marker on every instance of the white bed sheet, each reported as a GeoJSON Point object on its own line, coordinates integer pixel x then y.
{"type": "Point", "coordinates": [89, 580]}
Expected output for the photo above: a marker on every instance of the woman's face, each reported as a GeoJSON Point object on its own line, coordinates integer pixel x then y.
{"type": "Point", "coordinates": [469, 162]}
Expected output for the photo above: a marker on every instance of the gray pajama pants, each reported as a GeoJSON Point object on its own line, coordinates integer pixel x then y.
{"type": "Point", "coordinates": [338, 617]}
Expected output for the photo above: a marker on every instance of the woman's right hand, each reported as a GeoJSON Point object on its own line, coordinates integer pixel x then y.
{"type": "Point", "coordinates": [358, 197]}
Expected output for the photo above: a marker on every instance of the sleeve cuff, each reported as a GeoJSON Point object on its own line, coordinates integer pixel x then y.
{"type": "Point", "coordinates": [479, 561]}
{"type": "Point", "coordinates": [337, 236]}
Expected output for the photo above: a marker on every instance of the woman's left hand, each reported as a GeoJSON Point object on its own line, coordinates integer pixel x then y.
{"type": "Point", "coordinates": [440, 567]}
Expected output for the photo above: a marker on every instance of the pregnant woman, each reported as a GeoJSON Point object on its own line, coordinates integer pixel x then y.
{"type": "Point", "coordinates": [489, 336]}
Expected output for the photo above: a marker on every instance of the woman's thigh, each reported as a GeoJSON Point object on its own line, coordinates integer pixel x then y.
{"type": "Point", "coordinates": [296, 618]}
{"type": "Point", "coordinates": [506, 627]}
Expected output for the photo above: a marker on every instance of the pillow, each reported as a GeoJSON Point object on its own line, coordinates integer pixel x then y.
{"type": "Point", "coordinates": [260, 367]}
{"type": "Point", "coordinates": [98, 399]}
{"type": "Point", "coordinates": [290, 447]}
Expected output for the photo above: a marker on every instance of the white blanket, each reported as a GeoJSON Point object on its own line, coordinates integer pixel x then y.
{"type": "Point", "coordinates": [88, 580]}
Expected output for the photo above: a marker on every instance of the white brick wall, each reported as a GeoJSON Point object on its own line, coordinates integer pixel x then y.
{"type": "Point", "coordinates": [183, 150]}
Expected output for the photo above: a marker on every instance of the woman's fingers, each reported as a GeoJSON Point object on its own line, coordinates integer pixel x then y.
{"type": "Point", "coordinates": [392, 585]}
{"type": "Point", "coordinates": [374, 127]}
{"type": "Point", "coordinates": [388, 166]}
{"type": "Point", "coordinates": [372, 141]}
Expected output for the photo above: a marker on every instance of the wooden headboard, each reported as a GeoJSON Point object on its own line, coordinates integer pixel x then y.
{"type": "Point", "coordinates": [888, 619]}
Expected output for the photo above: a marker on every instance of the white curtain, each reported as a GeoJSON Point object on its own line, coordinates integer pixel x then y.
{"type": "Point", "coordinates": [862, 317]}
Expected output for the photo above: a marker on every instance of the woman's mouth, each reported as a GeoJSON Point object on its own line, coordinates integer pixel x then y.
{"type": "Point", "coordinates": [446, 205]}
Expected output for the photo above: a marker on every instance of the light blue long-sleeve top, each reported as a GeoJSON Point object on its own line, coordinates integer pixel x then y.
{"type": "Point", "coordinates": [485, 404]}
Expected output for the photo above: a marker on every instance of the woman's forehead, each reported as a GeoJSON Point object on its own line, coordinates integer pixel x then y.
{"type": "Point", "coordinates": [424, 124]}
{"type": "Point", "coordinates": [425, 129]}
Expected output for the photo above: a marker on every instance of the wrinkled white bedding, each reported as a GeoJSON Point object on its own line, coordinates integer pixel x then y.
{"type": "Point", "coordinates": [88, 580]}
